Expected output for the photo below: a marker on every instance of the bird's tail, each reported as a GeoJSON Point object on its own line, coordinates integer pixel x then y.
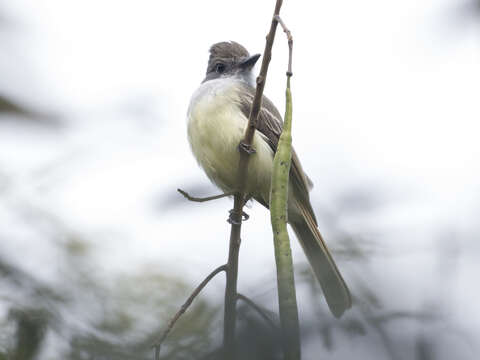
{"type": "Point", "coordinates": [326, 271]}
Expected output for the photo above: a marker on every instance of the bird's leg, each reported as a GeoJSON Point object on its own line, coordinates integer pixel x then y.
{"type": "Point", "coordinates": [231, 220]}
{"type": "Point", "coordinates": [245, 216]}
{"type": "Point", "coordinates": [246, 148]}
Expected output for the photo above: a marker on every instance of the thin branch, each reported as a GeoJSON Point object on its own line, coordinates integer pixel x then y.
{"type": "Point", "coordinates": [208, 198]}
{"type": "Point", "coordinates": [259, 310]}
{"type": "Point", "coordinates": [262, 77]}
{"type": "Point", "coordinates": [245, 148]}
{"type": "Point", "coordinates": [184, 308]}
{"type": "Point", "coordinates": [290, 43]}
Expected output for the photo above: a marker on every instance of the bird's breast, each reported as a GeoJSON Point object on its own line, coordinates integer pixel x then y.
{"type": "Point", "coordinates": [216, 126]}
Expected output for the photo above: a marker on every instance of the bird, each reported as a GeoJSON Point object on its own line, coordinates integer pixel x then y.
{"type": "Point", "coordinates": [216, 121]}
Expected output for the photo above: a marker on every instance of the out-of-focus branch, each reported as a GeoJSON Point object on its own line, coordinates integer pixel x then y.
{"type": "Point", "coordinates": [24, 112]}
{"type": "Point", "coordinates": [184, 308]}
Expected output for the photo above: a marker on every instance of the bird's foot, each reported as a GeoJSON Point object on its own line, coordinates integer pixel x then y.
{"type": "Point", "coordinates": [246, 148]}
{"type": "Point", "coordinates": [232, 219]}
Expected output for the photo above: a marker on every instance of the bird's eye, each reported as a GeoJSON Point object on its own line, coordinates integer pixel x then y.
{"type": "Point", "coordinates": [220, 68]}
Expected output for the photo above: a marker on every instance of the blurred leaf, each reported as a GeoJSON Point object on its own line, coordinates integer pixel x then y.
{"type": "Point", "coordinates": [326, 334]}
{"type": "Point", "coordinates": [354, 327]}
{"type": "Point", "coordinates": [360, 200]}
{"type": "Point", "coordinates": [31, 325]}
{"type": "Point", "coordinates": [469, 9]}
{"type": "Point", "coordinates": [24, 113]}
{"type": "Point", "coordinates": [423, 349]}
{"type": "Point", "coordinates": [462, 14]}
{"type": "Point", "coordinates": [8, 106]}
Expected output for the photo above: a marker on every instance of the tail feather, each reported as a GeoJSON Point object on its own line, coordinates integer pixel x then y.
{"type": "Point", "coordinates": [332, 283]}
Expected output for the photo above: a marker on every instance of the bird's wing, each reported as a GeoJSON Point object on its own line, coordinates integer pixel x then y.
{"type": "Point", "coordinates": [270, 124]}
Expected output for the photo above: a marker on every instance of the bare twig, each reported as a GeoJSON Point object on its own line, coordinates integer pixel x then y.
{"type": "Point", "coordinates": [290, 43]}
{"type": "Point", "coordinates": [245, 147]}
{"type": "Point", "coordinates": [259, 310]}
{"type": "Point", "coordinates": [184, 308]}
{"type": "Point", "coordinates": [208, 198]}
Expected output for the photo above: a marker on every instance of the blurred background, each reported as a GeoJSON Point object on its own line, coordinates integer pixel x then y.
{"type": "Point", "coordinates": [98, 250]}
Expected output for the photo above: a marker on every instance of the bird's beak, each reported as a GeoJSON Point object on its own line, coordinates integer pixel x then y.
{"type": "Point", "coordinates": [249, 62]}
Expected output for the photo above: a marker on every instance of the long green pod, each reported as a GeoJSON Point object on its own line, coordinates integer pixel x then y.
{"type": "Point", "coordinates": [283, 254]}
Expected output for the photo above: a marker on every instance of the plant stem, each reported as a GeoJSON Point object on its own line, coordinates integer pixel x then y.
{"type": "Point", "coordinates": [278, 212]}
{"type": "Point", "coordinates": [230, 315]}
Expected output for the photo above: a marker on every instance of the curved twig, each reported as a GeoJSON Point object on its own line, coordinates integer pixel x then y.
{"type": "Point", "coordinates": [290, 43]}
{"type": "Point", "coordinates": [184, 308]}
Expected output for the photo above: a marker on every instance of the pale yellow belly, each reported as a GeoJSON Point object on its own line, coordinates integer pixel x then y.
{"type": "Point", "coordinates": [215, 128]}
